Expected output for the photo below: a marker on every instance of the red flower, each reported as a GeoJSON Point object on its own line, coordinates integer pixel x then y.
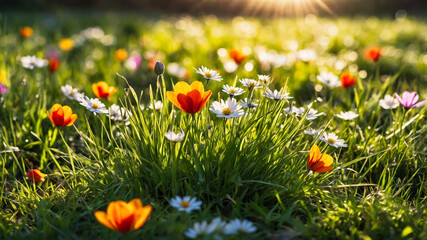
{"type": "Point", "coordinates": [347, 80]}
{"type": "Point", "coordinates": [103, 90]}
{"type": "Point", "coordinates": [53, 64]}
{"type": "Point", "coordinates": [189, 98]}
{"type": "Point", "coordinates": [237, 55]}
{"type": "Point", "coordinates": [373, 53]}
{"type": "Point", "coordinates": [61, 115]}
{"type": "Point", "coordinates": [36, 176]}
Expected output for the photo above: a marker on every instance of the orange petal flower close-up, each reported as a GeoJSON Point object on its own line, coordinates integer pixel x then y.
{"type": "Point", "coordinates": [347, 80]}
{"type": "Point", "coordinates": [61, 115]}
{"type": "Point", "coordinates": [124, 217]}
{"type": "Point", "coordinates": [189, 98]}
{"type": "Point", "coordinates": [319, 162]}
{"type": "Point", "coordinates": [36, 176]}
{"type": "Point", "coordinates": [103, 90]}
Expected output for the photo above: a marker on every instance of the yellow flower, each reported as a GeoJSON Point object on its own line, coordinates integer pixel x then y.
{"type": "Point", "coordinates": [66, 44]}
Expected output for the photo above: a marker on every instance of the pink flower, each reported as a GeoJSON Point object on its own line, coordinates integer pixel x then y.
{"type": "Point", "coordinates": [409, 100]}
{"type": "Point", "coordinates": [3, 89]}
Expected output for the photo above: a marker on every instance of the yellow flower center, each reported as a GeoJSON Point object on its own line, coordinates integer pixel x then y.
{"type": "Point", "coordinates": [95, 105]}
{"type": "Point", "coordinates": [226, 111]}
{"type": "Point", "coordinates": [232, 90]}
{"type": "Point", "coordinates": [331, 140]}
{"type": "Point", "coordinates": [252, 84]}
{"type": "Point", "coordinates": [185, 204]}
{"type": "Point", "coordinates": [208, 74]}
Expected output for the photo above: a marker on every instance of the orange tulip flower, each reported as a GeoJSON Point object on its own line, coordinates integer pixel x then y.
{"type": "Point", "coordinates": [26, 32]}
{"type": "Point", "coordinates": [36, 176]}
{"type": "Point", "coordinates": [373, 53]}
{"type": "Point", "coordinates": [61, 115]}
{"type": "Point", "coordinates": [319, 162]}
{"type": "Point", "coordinates": [189, 98]}
{"type": "Point", "coordinates": [121, 54]}
{"type": "Point", "coordinates": [237, 55]}
{"type": "Point", "coordinates": [124, 217]}
{"type": "Point", "coordinates": [347, 80]}
{"type": "Point", "coordinates": [66, 44]}
{"type": "Point", "coordinates": [103, 90]}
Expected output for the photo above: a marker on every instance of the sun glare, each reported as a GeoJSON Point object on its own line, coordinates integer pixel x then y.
{"type": "Point", "coordinates": [278, 8]}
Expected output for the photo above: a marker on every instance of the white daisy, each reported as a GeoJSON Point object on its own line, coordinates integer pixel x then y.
{"type": "Point", "coordinates": [158, 105]}
{"type": "Point", "coordinates": [245, 104]}
{"type": "Point", "coordinates": [32, 61]}
{"type": "Point", "coordinates": [295, 110]}
{"type": "Point", "coordinates": [209, 73]}
{"type": "Point", "coordinates": [228, 109]}
{"type": "Point", "coordinates": [389, 102]}
{"type": "Point", "coordinates": [93, 104]}
{"type": "Point", "coordinates": [175, 137]}
{"type": "Point", "coordinates": [264, 79]}
{"type": "Point", "coordinates": [277, 95]}
{"type": "Point", "coordinates": [250, 83]}
{"type": "Point", "coordinates": [238, 226]}
{"type": "Point", "coordinates": [347, 115]}
{"type": "Point", "coordinates": [313, 132]}
{"type": "Point", "coordinates": [330, 79]}
{"type": "Point", "coordinates": [71, 93]}
{"type": "Point", "coordinates": [332, 139]}
{"type": "Point", "coordinates": [313, 114]}
{"type": "Point", "coordinates": [232, 91]}
{"type": "Point", "coordinates": [203, 228]}
{"type": "Point", "coordinates": [117, 113]}
{"type": "Point", "coordinates": [185, 204]}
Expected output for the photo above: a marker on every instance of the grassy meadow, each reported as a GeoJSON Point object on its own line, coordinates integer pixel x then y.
{"type": "Point", "coordinates": [253, 166]}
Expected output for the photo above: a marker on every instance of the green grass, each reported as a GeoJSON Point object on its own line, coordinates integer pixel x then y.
{"type": "Point", "coordinates": [253, 167]}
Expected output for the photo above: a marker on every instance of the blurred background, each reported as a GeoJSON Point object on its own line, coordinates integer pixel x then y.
{"type": "Point", "coordinates": [265, 8]}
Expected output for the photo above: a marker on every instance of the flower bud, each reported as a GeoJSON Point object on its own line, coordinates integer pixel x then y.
{"type": "Point", "coordinates": [159, 68]}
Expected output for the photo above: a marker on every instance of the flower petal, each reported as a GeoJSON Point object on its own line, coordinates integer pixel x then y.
{"type": "Point", "coordinates": [173, 99]}
{"type": "Point", "coordinates": [103, 219]}
{"type": "Point", "coordinates": [323, 169]}
{"type": "Point", "coordinates": [182, 87]}
{"type": "Point", "coordinates": [313, 156]}
{"type": "Point", "coordinates": [399, 99]}
{"type": "Point", "coordinates": [196, 99]}
{"type": "Point", "coordinates": [95, 90]}
{"type": "Point", "coordinates": [197, 85]}
{"type": "Point", "coordinates": [206, 96]}
{"type": "Point", "coordinates": [141, 216]}
{"type": "Point", "coordinates": [72, 120]}
{"type": "Point", "coordinates": [419, 104]}
{"type": "Point", "coordinates": [186, 103]}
